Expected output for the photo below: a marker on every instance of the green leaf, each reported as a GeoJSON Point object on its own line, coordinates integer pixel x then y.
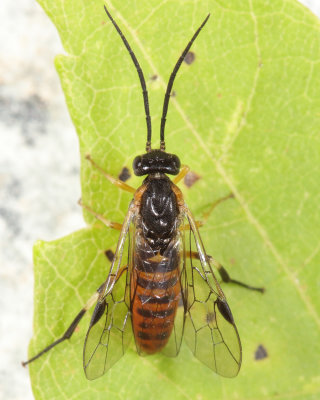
{"type": "Point", "coordinates": [245, 118]}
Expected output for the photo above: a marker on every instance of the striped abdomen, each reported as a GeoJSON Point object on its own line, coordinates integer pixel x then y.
{"type": "Point", "coordinates": [155, 293]}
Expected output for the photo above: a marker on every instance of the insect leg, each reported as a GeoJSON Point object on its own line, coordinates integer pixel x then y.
{"type": "Point", "coordinates": [110, 224]}
{"type": "Point", "coordinates": [223, 272]}
{"type": "Point", "coordinates": [227, 279]}
{"type": "Point", "coordinates": [186, 227]}
{"type": "Point", "coordinates": [206, 215]}
{"type": "Point", "coordinates": [114, 181]}
{"type": "Point", "coordinates": [183, 172]}
{"type": "Point", "coordinates": [68, 333]}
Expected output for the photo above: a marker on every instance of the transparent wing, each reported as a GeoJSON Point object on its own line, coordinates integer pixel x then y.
{"type": "Point", "coordinates": [172, 348]}
{"type": "Point", "coordinates": [110, 332]}
{"type": "Point", "coordinates": [209, 329]}
{"type": "Point", "coordinates": [173, 345]}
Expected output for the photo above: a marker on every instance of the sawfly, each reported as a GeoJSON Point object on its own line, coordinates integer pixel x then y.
{"type": "Point", "coordinates": [161, 286]}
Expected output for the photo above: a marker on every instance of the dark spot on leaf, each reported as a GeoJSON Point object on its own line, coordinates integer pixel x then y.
{"type": "Point", "coordinates": [124, 174]}
{"type": "Point", "coordinates": [154, 77]}
{"type": "Point", "coordinates": [191, 178]}
{"type": "Point", "coordinates": [173, 94]}
{"type": "Point", "coordinates": [190, 57]}
{"type": "Point", "coordinates": [109, 254]}
{"type": "Point", "coordinates": [224, 310]}
{"type": "Point", "coordinates": [260, 353]}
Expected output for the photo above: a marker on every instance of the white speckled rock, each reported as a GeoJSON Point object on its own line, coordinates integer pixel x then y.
{"type": "Point", "coordinates": [39, 174]}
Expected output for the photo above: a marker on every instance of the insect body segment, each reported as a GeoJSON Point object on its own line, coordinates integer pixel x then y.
{"type": "Point", "coordinates": [156, 292]}
{"type": "Point", "coordinates": [161, 286]}
{"type": "Point", "coordinates": [155, 286]}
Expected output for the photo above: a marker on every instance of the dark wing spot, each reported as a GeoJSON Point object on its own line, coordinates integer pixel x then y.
{"type": "Point", "coordinates": [124, 174]}
{"type": "Point", "coordinates": [154, 77]}
{"type": "Point", "coordinates": [109, 254]}
{"type": "Point", "coordinates": [190, 57]}
{"type": "Point", "coordinates": [260, 353]}
{"type": "Point", "coordinates": [98, 312]}
{"type": "Point", "coordinates": [191, 178]}
{"type": "Point", "coordinates": [173, 94]}
{"type": "Point", "coordinates": [224, 310]}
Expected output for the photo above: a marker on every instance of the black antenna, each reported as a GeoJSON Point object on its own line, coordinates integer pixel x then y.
{"type": "Point", "coordinates": [142, 80]}
{"type": "Point", "coordinates": [170, 83]}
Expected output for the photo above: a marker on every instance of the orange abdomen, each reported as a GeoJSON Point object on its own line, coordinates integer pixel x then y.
{"type": "Point", "coordinates": [155, 295]}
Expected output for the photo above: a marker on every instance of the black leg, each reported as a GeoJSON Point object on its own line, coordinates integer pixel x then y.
{"type": "Point", "coordinates": [224, 274]}
{"type": "Point", "coordinates": [227, 279]}
{"type": "Point", "coordinates": [68, 333]}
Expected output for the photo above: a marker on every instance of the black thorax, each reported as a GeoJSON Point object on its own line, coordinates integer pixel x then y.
{"type": "Point", "coordinates": [159, 211]}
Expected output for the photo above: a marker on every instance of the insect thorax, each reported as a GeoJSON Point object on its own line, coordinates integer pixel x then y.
{"type": "Point", "coordinates": [159, 211]}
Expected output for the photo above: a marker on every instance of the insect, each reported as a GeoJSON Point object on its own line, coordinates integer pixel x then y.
{"type": "Point", "coordinates": [161, 285]}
